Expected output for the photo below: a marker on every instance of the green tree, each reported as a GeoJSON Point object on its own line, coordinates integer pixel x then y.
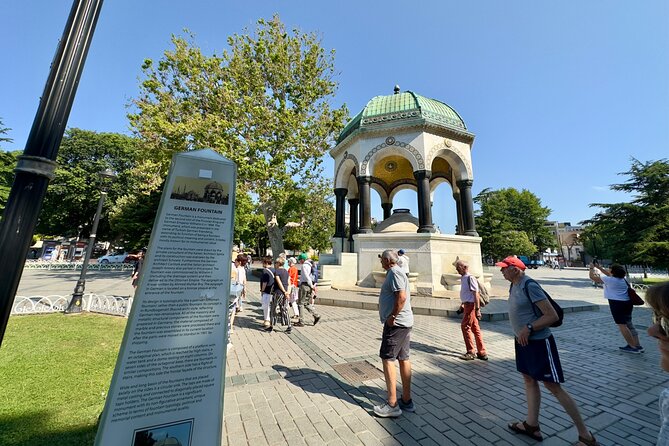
{"type": "Point", "coordinates": [3, 131]}
{"type": "Point", "coordinates": [512, 222]}
{"type": "Point", "coordinates": [263, 103]}
{"type": "Point", "coordinates": [314, 210]}
{"type": "Point", "coordinates": [637, 231]}
{"type": "Point", "coordinates": [72, 196]}
{"type": "Point", "coordinates": [7, 165]}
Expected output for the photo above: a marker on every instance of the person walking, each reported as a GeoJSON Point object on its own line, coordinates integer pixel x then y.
{"type": "Point", "coordinates": [266, 285]}
{"type": "Point", "coordinates": [305, 292]}
{"type": "Point", "coordinates": [293, 276]}
{"type": "Point", "coordinates": [397, 319]}
{"type": "Point", "coordinates": [279, 302]}
{"type": "Point", "coordinates": [240, 262]}
{"type": "Point", "coordinates": [615, 290]}
{"type": "Point", "coordinates": [658, 299]}
{"type": "Point", "coordinates": [471, 305]}
{"type": "Point", "coordinates": [537, 356]}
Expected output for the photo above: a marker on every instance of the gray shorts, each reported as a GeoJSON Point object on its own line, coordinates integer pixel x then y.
{"type": "Point", "coordinates": [395, 343]}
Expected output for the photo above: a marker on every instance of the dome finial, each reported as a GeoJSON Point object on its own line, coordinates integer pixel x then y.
{"type": "Point", "coordinates": [396, 89]}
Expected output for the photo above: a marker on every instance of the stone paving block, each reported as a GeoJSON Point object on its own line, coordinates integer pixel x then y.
{"type": "Point", "coordinates": [314, 440]}
{"type": "Point", "coordinates": [347, 435]}
{"type": "Point", "coordinates": [368, 439]}
{"type": "Point", "coordinates": [305, 427]}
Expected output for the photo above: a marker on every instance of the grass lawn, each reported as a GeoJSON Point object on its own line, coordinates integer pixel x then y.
{"type": "Point", "coordinates": [55, 372]}
{"type": "Point", "coordinates": [654, 280]}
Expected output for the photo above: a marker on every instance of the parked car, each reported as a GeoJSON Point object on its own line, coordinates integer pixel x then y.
{"type": "Point", "coordinates": [115, 257]}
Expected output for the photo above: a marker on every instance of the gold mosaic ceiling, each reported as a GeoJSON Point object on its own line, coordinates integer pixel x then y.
{"type": "Point", "coordinates": [392, 168]}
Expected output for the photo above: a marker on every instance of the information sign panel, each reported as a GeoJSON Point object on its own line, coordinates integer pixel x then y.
{"type": "Point", "coordinates": [169, 377]}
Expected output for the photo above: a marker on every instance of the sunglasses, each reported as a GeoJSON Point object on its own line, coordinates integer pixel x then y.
{"type": "Point", "coordinates": [661, 322]}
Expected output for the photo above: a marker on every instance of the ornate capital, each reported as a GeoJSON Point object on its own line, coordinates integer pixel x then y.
{"type": "Point", "coordinates": [422, 174]}
{"type": "Point", "coordinates": [465, 183]}
{"type": "Point", "coordinates": [341, 192]}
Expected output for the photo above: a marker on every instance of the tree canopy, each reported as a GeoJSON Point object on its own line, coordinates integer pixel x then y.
{"type": "Point", "coordinates": [264, 103]}
{"type": "Point", "coordinates": [512, 222]}
{"type": "Point", "coordinates": [636, 231]}
{"type": "Point", "coordinates": [72, 197]}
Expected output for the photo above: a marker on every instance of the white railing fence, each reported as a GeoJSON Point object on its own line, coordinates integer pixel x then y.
{"type": "Point", "coordinates": [94, 303]}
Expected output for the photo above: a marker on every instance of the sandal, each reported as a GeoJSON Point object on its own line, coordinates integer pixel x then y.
{"type": "Point", "coordinates": [530, 431]}
{"type": "Point", "coordinates": [587, 442]}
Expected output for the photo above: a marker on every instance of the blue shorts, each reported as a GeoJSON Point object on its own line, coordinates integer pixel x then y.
{"type": "Point", "coordinates": [540, 360]}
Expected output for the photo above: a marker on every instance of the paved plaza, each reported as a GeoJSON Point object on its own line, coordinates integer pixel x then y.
{"type": "Point", "coordinates": [284, 389]}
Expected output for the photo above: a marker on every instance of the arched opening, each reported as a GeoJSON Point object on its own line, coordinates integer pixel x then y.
{"type": "Point", "coordinates": [444, 210]}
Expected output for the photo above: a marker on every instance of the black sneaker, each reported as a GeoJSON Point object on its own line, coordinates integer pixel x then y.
{"type": "Point", "coordinates": [316, 319]}
{"type": "Point", "coordinates": [298, 324]}
{"type": "Point", "coordinates": [289, 330]}
{"type": "Point", "coordinates": [482, 357]}
{"type": "Point", "coordinates": [406, 407]}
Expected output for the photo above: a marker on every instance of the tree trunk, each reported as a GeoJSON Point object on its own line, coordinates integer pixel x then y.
{"type": "Point", "coordinates": [274, 232]}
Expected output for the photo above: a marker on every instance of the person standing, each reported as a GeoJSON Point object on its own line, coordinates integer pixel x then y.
{"type": "Point", "coordinates": [403, 261]}
{"type": "Point", "coordinates": [615, 290]}
{"type": "Point", "coordinates": [471, 304]}
{"type": "Point", "coordinates": [138, 268]}
{"type": "Point", "coordinates": [279, 303]}
{"type": "Point", "coordinates": [240, 262]}
{"type": "Point", "coordinates": [397, 319]}
{"type": "Point", "coordinates": [293, 276]}
{"type": "Point", "coordinates": [266, 284]}
{"type": "Point", "coordinates": [305, 292]}
{"type": "Point", "coordinates": [658, 299]}
{"type": "Point", "coordinates": [537, 356]}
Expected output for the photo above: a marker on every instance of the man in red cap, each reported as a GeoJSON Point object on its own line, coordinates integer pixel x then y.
{"type": "Point", "coordinates": [531, 315]}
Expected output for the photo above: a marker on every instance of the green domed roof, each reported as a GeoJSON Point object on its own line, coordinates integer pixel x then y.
{"type": "Point", "coordinates": [403, 106]}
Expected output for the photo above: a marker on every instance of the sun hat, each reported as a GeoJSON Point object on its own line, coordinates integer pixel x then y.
{"type": "Point", "coordinates": [512, 261]}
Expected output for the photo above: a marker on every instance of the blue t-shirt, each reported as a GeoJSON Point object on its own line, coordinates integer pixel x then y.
{"type": "Point", "coordinates": [396, 280]}
{"type": "Point", "coordinates": [522, 312]}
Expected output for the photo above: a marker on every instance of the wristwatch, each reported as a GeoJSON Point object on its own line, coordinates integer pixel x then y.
{"type": "Point", "coordinates": [530, 327]}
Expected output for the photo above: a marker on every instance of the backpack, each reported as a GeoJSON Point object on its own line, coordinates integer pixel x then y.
{"type": "Point", "coordinates": [484, 294]}
{"type": "Point", "coordinates": [556, 307]}
{"type": "Point", "coordinates": [314, 272]}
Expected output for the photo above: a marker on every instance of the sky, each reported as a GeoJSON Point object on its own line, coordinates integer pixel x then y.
{"type": "Point", "coordinates": [560, 95]}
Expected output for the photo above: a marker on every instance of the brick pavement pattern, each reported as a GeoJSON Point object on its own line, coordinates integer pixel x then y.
{"type": "Point", "coordinates": [282, 389]}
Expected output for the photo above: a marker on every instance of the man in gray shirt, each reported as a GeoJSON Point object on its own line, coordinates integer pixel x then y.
{"type": "Point", "coordinates": [537, 359]}
{"type": "Point", "coordinates": [397, 318]}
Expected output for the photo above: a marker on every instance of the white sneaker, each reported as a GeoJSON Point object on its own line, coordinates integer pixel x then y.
{"type": "Point", "coordinates": [387, 411]}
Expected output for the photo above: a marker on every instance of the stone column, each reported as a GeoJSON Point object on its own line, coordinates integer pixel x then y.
{"type": "Point", "coordinates": [353, 221]}
{"type": "Point", "coordinates": [458, 210]}
{"type": "Point", "coordinates": [387, 209]}
{"type": "Point", "coordinates": [424, 206]}
{"type": "Point", "coordinates": [467, 204]}
{"type": "Point", "coordinates": [364, 184]}
{"type": "Point", "coordinates": [340, 211]}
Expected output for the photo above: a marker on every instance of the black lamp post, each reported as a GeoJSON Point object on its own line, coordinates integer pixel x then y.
{"type": "Point", "coordinates": [77, 297]}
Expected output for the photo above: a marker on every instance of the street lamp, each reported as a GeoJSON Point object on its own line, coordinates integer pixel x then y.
{"type": "Point", "coordinates": [75, 303]}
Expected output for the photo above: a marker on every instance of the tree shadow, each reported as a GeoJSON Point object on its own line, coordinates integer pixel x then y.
{"type": "Point", "coordinates": [33, 429]}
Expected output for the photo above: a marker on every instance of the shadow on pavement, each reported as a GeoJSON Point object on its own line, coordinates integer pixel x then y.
{"type": "Point", "coordinates": [331, 384]}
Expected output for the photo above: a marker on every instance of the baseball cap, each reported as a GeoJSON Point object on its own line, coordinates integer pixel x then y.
{"type": "Point", "coordinates": [302, 256]}
{"type": "Point", "coordinates": [401, 252]}
{"type": "Point", "coordinates": [511, 261]}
